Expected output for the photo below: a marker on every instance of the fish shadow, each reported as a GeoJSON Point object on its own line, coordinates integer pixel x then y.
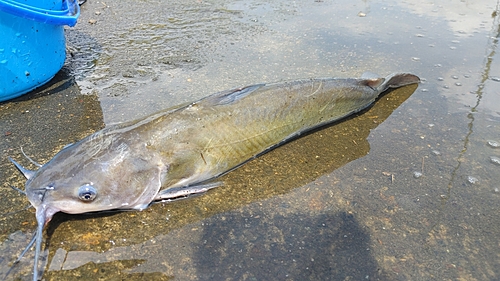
{"type": "Point", "coordinates": [60, 218]}
{"type": "Point", "coordinates": [253, 246]}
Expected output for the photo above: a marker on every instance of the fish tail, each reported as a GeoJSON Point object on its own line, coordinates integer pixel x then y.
{"type": "Point", "coordinates": [396, 80]}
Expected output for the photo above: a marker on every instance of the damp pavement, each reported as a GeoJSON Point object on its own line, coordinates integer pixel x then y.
{"type": "Point", "coordinates": [408, 190]}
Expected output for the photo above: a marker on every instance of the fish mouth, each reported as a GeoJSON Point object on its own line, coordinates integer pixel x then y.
{"type": "Point", "coordinates": [44, 213]}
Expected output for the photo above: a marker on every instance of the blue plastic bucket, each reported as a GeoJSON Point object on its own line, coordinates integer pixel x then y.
{"type": "Point", "coordinates": [32, 43]}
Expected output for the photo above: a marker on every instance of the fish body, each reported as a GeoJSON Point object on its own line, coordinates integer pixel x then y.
{"type": "Point", "coordinates": [175, 152]}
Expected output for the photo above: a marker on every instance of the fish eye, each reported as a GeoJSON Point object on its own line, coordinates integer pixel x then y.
{"type": "Point", "coordinates": [87, 193]}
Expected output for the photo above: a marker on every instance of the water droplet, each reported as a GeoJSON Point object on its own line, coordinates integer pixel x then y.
{"type": "Point", "coordinates": [497, 190]}
{"type": "Point", "coordinates": [454, 76]}
{"type": "Point", "coordinates": [472, 180]}
{"type": "Point", "coordinates": [493, 144]}
{"type": "Point", "coordinates": [495, 160]}
{"type": "Point", "coordinates": [415, 59]}
{"type": "Point", "coordinates": [458, 84]}
{"type": "Point", "coordinates": [435, 152]}
{"type": "Point", "coordinates": [440, 79]}
{"type": "Point", "coordinates": [494, 78]}
{"type": "Point", "coordinates": [417, 174]}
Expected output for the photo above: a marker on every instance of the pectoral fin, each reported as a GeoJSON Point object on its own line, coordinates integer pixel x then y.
{"type": "Point", "coordinates": [144, 187]}
{"type": "Point", "coordinates": [26, 173]}
{"type": "Point", "coordinates": [183, 192]}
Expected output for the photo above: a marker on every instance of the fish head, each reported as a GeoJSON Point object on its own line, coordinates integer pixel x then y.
{"type": "Point", "coordinates": [100, 172]}
{"type": "Point", "coordinates": [86, 177]}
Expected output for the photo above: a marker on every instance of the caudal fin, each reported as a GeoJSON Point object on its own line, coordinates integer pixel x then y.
{"type": "Point", "coordinates": [397, 80]}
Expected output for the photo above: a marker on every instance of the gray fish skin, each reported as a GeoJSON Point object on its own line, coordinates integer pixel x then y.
{"type": "Point", "coordinates": [172, 152]}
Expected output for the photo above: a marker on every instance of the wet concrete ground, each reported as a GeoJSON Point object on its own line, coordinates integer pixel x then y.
{"type": "Point", "coordinates": [408, 190]}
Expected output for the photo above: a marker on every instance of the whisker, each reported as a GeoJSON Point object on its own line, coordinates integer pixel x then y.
{"type": "Point", "coordinates": [18, 190]}
{"type": "Point", "coordinates": [30, 244]}
{"type": "Point", "coordinates": [31, 160]}
{"type": "Point", "coordinates": [17, 211]}
{"type": "Point", "coordinates": [33, 239]}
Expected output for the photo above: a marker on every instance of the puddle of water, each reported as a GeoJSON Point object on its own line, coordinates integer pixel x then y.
{"type": "Point", "coordinates": [377, 197]}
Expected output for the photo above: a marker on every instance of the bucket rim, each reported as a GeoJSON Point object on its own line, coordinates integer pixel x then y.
{"type": "Point", "coordinates": [68, 15]}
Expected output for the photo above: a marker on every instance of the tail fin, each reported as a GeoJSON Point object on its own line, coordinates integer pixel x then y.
{"type": "Point", "coordinates": [397, 80]}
